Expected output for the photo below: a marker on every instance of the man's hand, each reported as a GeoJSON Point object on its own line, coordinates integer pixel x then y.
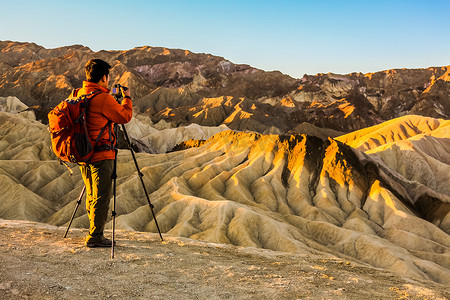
{"type": "Point", "coordinates": [126, 93]}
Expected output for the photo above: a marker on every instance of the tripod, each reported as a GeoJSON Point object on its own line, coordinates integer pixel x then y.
{"type": "Point", "coordinates": [114, 178]}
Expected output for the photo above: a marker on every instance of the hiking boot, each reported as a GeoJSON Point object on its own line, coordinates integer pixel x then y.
{"type": "Point", "coordinates": [101, 242]}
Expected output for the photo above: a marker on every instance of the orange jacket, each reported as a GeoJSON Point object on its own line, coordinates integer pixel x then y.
{"type": "Point", "coordinates": [102, 109]}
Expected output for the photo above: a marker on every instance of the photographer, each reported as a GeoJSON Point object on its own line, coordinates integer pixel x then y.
{"type": "Point", "coordinates": [103, 112]}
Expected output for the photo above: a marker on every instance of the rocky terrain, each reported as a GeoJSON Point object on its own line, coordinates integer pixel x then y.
{"type": "Point", "coordinates": [413, 143]}
{"type": "Point", "coordinates": [297, 194]}
{"type": "Point", "coordinates": [182, 88]}
{"type": "Point", "coordinates": [244, 159]}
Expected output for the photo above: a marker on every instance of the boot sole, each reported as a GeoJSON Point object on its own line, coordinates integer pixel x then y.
{"type": "Point", "coordinates": [98, 246]}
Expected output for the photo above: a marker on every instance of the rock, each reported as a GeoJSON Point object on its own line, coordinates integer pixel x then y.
{"type": "Point", "coordinates": [413, 146]}
{"type": "Point", "coordinates": [181, 87]}
{"type": "Point", "coordinates": [297, 194]}
{"type": "Point", "coordinates": [12, 105]}
{"type": "Point", "coordinates": [150, 140]}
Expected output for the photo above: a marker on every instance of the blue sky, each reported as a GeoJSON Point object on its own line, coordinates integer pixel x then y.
{"type": "Point", "coordinates": [294, 37]}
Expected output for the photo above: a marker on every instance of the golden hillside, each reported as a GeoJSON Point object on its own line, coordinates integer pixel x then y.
{"type": "Point", "coordinates": [296, 194]}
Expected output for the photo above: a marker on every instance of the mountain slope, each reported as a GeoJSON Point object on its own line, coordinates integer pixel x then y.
{"type": "Point", "coordinates": [414, 146]}
{"type": "Point", "coordinates": [178, 85]}
{"type": "Point", "coordinates": [295, 194]}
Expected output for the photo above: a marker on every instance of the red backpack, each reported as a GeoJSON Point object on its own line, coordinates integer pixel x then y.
{"type": "Point", "coordinates": [68, 129]}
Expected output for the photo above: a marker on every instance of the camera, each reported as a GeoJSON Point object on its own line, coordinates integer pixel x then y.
{"type": "Point", "coordinates": [117, 90]}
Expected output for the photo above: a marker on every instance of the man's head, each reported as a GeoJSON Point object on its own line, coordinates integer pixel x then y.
{"type": "Point", "coordinates": [97, 71]}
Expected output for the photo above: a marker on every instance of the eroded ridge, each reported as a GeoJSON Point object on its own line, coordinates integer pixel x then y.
{"type": "Point", "coordinates": [296, 194]}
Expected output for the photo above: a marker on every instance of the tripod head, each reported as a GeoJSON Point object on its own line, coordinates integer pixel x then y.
{"type": "Point", "coordinates": [117, 91]}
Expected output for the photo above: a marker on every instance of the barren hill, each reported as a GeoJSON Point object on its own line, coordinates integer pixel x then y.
{"type": "Point", "coordinates": [182, 87]}
{"type": "Point", "coordinates": [377, 193]}
{"type": "Point", "coordinates": [297, 194]}
{"type": "Point", "coordinates": [416, 147]}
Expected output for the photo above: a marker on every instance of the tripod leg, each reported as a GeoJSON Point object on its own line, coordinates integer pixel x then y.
{"type": "Point", "coordinates": [113, 213]}
{"type": "Point", "coordinates": [75, 211]}
{"type": "Point", "coordinates": [142, 181]}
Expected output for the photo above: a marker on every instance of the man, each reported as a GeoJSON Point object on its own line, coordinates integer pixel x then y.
{"type": "Point", "coordinates": [103, 110]}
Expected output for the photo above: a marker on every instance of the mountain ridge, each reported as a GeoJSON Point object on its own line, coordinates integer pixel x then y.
{"type": "Point", "coordinates": [178, 80]}
{"type": "Point", "coordinates": [373, 185]}
{"type": "Point", "coordinates": [298, 194]}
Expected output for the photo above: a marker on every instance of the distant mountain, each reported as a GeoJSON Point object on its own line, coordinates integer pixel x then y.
{"type": "Point", "coordinates": [182, 87]}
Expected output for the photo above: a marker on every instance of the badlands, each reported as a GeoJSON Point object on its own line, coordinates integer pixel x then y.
{"type": "Point", "coordinates": [333, 216]}
{"type": "Point", "coordinates": [264, 186]}
{"type": "Point", "coordinates": [181, 87]}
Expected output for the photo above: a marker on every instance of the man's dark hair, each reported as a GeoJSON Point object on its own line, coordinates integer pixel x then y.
{"type": "Point", "coordinates": [96, 69]}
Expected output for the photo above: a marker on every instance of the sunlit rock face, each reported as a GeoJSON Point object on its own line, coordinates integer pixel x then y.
{"type": "Point", "coordinates": [391, 93]}
{"type": "Point", "coordinates": [297, 193]}
{"type": "Point", "coordinates": [414, 146]}
{"type": "Point", "coordinates": [379, 195]}
{"type": "Point", "coordinates": [235, 113]}
{"type": "Point", "coordinates": [181, 88]}
{"type": "Point", "coordinates": [46, 78]}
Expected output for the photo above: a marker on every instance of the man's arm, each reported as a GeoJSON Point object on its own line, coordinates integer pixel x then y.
{"type": "Point", "coordinates": [118, 113]}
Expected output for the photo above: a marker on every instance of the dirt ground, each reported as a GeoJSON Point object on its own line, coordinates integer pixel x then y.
{"type": "Point", "coordinates": [36, 262]}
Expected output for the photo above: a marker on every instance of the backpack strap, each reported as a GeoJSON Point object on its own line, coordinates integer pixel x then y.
{"type": "Point", "coordinates": [61, 162]}
{"type": "Point", "coordinates": [104, 147]}
{"type": "Point", "coordinates": [86, 98]}
{"type": "Point", "coordinates": [74, 93]}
